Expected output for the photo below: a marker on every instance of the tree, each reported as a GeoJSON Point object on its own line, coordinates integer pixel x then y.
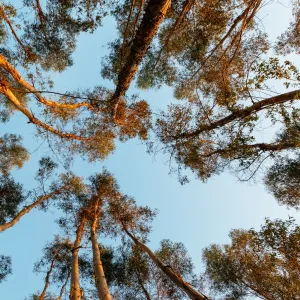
{"type": "Point", "coordinates": [134, 222]}
{"type": "Point", "coordinates": [289, 41]}
{"type": "Point", "coordinates": [210, 140]}
{"type": "Point", "coordinates": [103, 186]}
{"type": "Point", "coordinates": [154, 14]}
{"type": "Point", "coordinates": [137, 277]}
{"type": "Point", "coordinates": [56, 263]}
{"type": "Point", "coordinates": [86, 216]}
{"type": "Point", "coordinates": [212, 54]}
{"type": "Point", "coordinates": [100, 208]}
{"type": "Point", "coordinates": [12, 196]}
{"type": "Point", "coordinates": [48, 41]}
{"type": "Point", "coordinates": [263, 263]}
{"type": "Point", "coordinates": [57, 255]}
{"type": "Point", "coordinates": [283, 181]}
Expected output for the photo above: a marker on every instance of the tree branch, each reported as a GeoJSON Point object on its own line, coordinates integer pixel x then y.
{"type": "Point", "coordinates": [242, 113]}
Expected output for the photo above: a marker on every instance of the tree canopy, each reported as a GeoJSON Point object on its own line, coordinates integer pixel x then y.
{"type": "Point", "coordinates": [233, 106]}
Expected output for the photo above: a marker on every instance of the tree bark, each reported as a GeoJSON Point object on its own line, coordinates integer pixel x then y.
{"type": "Point", "coordinates": [26, 210]}
{"type": "Point", "coordinates": [242, 113]}
{"type": "Point", "coordinates": [100, 279]}
{"type": "Point", "coordinates": [47, 280]}
{"type": "Point", "coordinates": [177, 280]}
{"type": "Point", "coordinates": [154, 15]}
{"type": "Point", "coordinates": [75, 290]}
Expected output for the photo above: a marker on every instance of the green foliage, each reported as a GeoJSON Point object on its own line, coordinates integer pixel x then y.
{"type": "Point", "coordinates": [283, 181]}
{"type": "Point", "coordinates": [13, 154]}
{"type": "Point", "coordinates": [11, 196]}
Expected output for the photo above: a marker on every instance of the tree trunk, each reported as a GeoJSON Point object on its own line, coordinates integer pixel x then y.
{"type": "Point", "coordinates": [27, 209]}
{"type": "Point", "coordinates": [47, 280]}
{"type": "Point", "coordinates": [100, 279]}
{"type": "Point", "coordinates": [75, 291]}
{"type": "Point", "coordinates": [177, 280]}
{"type": "Point", "coordinates": [153, 16]}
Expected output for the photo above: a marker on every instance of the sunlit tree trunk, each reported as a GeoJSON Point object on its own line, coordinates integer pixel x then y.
{"type": "Point", "coordinates": [75, 291]}
{"type": "Point", "coordinates": [154, 14]}
{"type": "Point", "coordinates": [177, 280]}
{"type": "Point", "coordinates": [100, 279]}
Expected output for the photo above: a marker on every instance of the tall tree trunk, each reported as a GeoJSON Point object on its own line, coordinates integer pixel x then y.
{"type": "Point", "coordinates": [177, 280]}
{"type": "Point", "coordinates": [154, 14]}
{"type": "Point", "coordinates": [100, 279]}
{"type": "Point", "coordinates": [47, 280]}
{"type": "Point", "coordinates": [75, 291]}
{"type": "Point", "coordinates": [26, 210]}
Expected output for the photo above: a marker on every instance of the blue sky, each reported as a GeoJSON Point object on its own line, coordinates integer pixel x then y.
{"type": "Point", "coordinates": [196, 214]}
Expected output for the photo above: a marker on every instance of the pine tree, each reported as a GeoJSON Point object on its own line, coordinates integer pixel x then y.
{"type": "Point", "coordinates": [262, 263]}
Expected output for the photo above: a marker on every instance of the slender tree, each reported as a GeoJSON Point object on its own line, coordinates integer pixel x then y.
{"type": "Point", "coordinates": [134, 220]}
{"type": "Point", "coordinates": [102, 186]}
{"type": "Point", "coordinates": [76, 292]}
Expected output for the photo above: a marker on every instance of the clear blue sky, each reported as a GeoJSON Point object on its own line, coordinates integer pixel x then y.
{"type": "Point", "coordinates": [196, 214]}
